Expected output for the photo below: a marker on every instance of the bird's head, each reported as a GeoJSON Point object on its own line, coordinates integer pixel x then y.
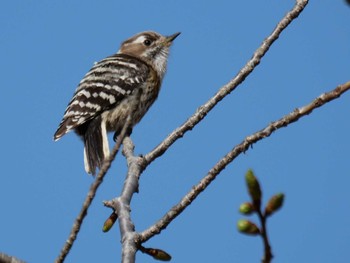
{"type": "Point", "coordinates": [150, 47]}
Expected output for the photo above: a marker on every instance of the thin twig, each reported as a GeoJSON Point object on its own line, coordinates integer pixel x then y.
{"type": "Point", "coordinates": [203, 110]}
{"type": "Point", "coordinates": [91, 195]}
{"type": "Point", "coordinates": [267, 247]}
{"type": "Point", "coordinates": [236, 151]}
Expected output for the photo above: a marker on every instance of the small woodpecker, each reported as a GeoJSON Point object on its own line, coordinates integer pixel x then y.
{"type": "Point", "coordinates": [124, 84]}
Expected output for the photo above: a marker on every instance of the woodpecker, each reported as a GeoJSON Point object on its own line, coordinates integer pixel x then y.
{"type": "Point", "coordinates": [126, 83]}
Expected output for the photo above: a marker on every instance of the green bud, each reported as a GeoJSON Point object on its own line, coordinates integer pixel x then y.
{"type": "Point", "coordinates": [247, 227]}
{"type": "Point", "coordinates": [109, 222]}
{"type": "Point", "coordinates": [253, 187]}
{"type": "Point", "coordinates": [274, 204]}
{"type": "Point", "coordinates": [246, 208]}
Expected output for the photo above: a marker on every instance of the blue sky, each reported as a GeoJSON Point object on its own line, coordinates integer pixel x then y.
{"type": "Point", "coordinates": [47, 47]}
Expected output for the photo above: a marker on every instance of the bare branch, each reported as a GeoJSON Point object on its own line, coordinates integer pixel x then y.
{"type": "Point", "coordinates": [203, 110]}
{"type": "Point", "coordinates": [236, 151]}
{"type": "Point", "coordinates": [9, 259]}
{"type": "Point", "coordinates": [121, 204]}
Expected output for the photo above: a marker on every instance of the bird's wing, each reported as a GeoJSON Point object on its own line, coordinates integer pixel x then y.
{"type": "Point", "coordinates": [102, 88]}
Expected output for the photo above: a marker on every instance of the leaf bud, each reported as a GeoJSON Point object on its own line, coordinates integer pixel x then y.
{"type": "Point", "coordinates": [109, 222]}
{"type": "Point", "coordinates": [253, 187]}
{"type": "Point", "coordinates": [247, 227]}
{"type": "Point", "coordinates": [274, 204]}
{"type": "Point", "coordinates": [246, 208]}
{"type": "Point", "coordinates": [156, 253]}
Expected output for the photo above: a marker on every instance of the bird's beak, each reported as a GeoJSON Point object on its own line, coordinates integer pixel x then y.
{"type": "Point", "coordinates": [170, 39]}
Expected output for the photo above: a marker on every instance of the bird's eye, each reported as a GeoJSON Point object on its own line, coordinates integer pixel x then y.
{"type": "Point", "coordinates": [147, 42]}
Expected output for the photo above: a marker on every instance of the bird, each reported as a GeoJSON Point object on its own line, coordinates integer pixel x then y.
{"type": "Point", "coordinates": [122, 85]}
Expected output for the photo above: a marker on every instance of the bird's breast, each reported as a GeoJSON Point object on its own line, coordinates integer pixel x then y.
{"type": "Point", "coordinates": [136, 105]}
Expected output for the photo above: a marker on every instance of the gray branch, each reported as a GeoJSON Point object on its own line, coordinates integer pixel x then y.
{"type": "Point", "coordinates": [203, 110]}
{"type": "Point", "coordinates": [121, 205]}
{"type": "Point", "coordinates": [4, 258]}
{"type": "Point", "coordinates": [236, 151]}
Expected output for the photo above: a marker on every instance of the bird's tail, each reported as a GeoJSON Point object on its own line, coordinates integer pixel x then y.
{"type": "Point", "coordinates": [96, 147]}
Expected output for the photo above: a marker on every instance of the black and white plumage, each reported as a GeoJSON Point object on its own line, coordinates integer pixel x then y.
{"type": "Point", "coordinates": [123, 84]}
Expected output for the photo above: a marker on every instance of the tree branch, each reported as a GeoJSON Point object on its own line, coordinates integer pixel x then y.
{"type": "Point", "coordinates": [236, 151]}
{"type": "Point", "coordinates": [9, 259]}
{"type": "Point", "coordinates": [121, 205]}
{"type": "Point", "coordinates": [203, 110]}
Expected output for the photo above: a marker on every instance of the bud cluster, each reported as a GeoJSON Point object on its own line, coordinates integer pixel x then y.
{"type": "Point", "coordinates": [254, 206]}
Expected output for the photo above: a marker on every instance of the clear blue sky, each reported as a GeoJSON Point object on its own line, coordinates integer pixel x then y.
{"type": "Point", "coordinates": [47, 47]}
